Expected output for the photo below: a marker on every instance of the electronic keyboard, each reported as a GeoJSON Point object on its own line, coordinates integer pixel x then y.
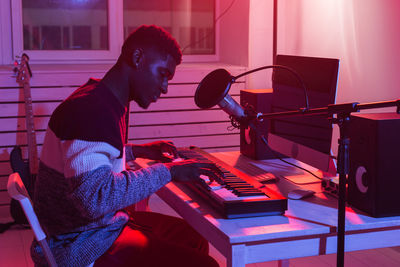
{"type": "Point", "coordinates": [237, 194]}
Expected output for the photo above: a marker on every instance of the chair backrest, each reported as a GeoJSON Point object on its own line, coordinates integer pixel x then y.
{"type": "Point", "coordinates": [16, 189]}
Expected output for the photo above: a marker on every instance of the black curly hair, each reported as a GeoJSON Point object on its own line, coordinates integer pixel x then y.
{"type": "Point", "coordinates": [151, 36]}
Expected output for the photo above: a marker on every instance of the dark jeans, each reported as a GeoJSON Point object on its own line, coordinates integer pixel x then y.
{"type": "Point", "coordinates": [153, 239]}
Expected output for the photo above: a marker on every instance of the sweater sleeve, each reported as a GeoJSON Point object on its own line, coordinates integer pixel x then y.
{"type": "Point", "coordinates": [96, 189]}
{"type": "Point", "coordinates": [102, 191]}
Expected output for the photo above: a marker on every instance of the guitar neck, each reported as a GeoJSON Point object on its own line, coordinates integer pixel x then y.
{"type": "Point", "coordinates": [30, 129]}
{"type": "Point", "coordinates": [23, 77]}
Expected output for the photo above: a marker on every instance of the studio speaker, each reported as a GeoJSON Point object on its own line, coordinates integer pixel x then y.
{"type": "Point", "coordinates": [251, 145]}
{"type": "Point", "coordinates": [374, 177]}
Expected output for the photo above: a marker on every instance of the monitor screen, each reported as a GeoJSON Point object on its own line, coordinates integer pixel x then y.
{"type": "Point", "coordinates": [306, 138]}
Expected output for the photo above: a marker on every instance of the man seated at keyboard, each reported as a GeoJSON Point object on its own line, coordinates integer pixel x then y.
{"type": "Point", "coordinates": [83, 188]}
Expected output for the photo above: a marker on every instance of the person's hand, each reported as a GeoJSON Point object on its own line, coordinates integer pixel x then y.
{"type": "Point", "coordinates": [190, 171]}
{"type": "Point", "coordinates": [163, 151]}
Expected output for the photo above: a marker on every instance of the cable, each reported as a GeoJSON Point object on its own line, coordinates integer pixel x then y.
{"type": "Point", "coordinates": [298, 77]}
{"type": "Point", "coordinates": [292, 164]}
{"type": "Point", "coordinates": [211, 32]}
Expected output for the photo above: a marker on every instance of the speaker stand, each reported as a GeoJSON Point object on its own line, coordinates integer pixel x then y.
{"type": "Point", "coordinates": [343, 167]}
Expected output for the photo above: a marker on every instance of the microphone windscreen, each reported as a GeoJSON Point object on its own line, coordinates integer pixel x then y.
{"type": "Point", "coordinates": [213, 88]}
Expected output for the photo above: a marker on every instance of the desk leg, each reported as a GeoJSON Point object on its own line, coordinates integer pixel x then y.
{"type": "Point", "coordinates": [238, 256]}
{"type": "Point", "coordinates": [283, 263]}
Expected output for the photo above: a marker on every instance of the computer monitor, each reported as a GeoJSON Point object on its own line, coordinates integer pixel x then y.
{"type": "Point", "coordinates": [305, 138]}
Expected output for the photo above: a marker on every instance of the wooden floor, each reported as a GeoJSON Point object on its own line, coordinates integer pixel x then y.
{"type": "Point", "coordinates": [15, 243]}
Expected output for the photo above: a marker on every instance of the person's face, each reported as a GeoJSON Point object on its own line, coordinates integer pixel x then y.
{"type": "Point", "coordinates": [153, 73]}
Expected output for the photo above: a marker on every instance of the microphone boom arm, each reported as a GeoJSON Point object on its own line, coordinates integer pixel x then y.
{"type": "Point", "coordinates": [279, 67]}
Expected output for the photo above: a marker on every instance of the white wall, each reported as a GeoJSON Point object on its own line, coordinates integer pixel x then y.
{"type": "Point", "coordinates": [260, 42]}
{"type": "Point", "coordinates": [363, 34]}
{"type": "Point", "coordinates": [234, 32]}
{"type": "Point", "coordinates": [5, 33]}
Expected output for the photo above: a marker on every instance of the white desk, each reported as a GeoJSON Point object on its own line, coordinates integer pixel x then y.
{"type": "Point", "coordinates": [308, 227]}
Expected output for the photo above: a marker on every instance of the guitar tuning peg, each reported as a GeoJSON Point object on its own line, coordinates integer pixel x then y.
{"type": "Point", "coordinates": [15, 70]}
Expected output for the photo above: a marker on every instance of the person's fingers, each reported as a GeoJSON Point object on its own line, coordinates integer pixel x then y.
{"type": "Point", "coordinates": [164, 158]}
{"type": "Point", "coordinates": [190, 170]}
{"type": "Point", "coordinates": [212, 175]}
{"type": "Point", "coordinates": [168, 147]}
{"type": "Point", "coordinates": [167, 157]}
{"type": "Point", "coordinates": [202, 183]}
{"type": "Point", "coordinates": [203, 164]}
{"type": "Point", "coordinates": [167, 143]}
{"type": "Point", "coordinates": [173, 151]}
{"type": "Point", "coordinates": [210, 166]}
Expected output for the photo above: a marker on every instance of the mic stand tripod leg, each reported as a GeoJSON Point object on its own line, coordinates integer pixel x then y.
{"type": "Point", "coordinates": [343, 121]}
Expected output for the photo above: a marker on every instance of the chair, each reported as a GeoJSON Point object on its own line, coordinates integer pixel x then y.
{"type": "Point", "coordinates": [16, 189]}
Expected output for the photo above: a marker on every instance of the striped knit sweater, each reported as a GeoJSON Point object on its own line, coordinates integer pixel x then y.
{"type": "Point", "coordinates": [82, 185]}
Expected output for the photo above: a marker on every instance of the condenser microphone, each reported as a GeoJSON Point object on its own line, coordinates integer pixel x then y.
{"type": "Point", "coordinates": [213, 90]}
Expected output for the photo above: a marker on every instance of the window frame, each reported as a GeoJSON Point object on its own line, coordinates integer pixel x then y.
{"type": "Point", "coordinates": [115, 33]}
{"type": "Point", "coordinates": [72, 56]}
